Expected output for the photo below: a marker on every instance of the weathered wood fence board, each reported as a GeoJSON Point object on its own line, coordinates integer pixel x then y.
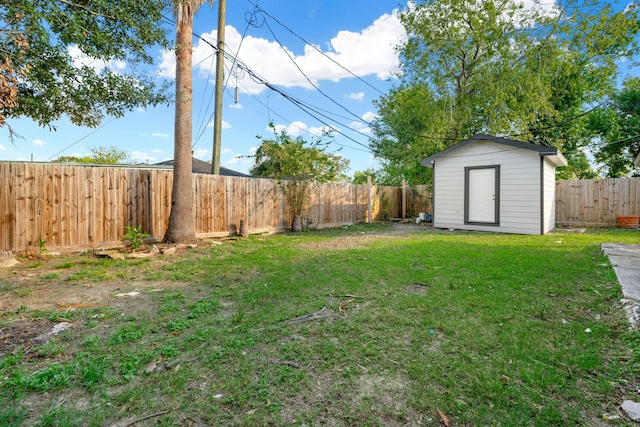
{"type": "Point", "coordinates": [597, 202]}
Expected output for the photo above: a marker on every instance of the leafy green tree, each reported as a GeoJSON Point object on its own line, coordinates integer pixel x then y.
{"type": "Point", "coordinates": [362, 177]}
{"type": "Point", "coordinates": [43, 80]}
{"type": "Point", "coordinates": [99, 155]}
{"type": "Point", "coordinates": [496, 67]}
{"type": "Point", "coordinates": [617, 130]}
{"type": "Point", "coordinates": [297, 165]}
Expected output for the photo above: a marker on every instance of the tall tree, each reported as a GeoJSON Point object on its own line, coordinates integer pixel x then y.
{"type": "Point", "coordinates": [497, 67]}
{"type": "Point", "coordinates": [297, 165]}
{"type": "Point", "coordinates": [42, 76]}
{"type": "Point", "coordinates": [182, 226]}
{"type": "Point", "coordinates": [617, 130]}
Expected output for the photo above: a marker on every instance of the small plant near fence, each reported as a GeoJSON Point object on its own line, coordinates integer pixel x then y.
{"type": "Point", "coordinates": [135, 236]}
{"type": "Point", "coordinates": [42, 244]}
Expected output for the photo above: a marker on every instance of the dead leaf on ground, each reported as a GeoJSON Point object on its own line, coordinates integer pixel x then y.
{"type": "Point", "coordinates": [444, 418]}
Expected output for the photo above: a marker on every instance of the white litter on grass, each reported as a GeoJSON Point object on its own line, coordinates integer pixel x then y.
{"type": "Point", "coordinates": [128, 294]}
{"type": "Point", "coordinates": [57, 328]}
{"type": "Point", "coordinates": [587, 330]}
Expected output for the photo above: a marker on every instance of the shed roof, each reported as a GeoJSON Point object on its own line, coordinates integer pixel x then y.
{"type": "Point", "coordinates": [551, 153]}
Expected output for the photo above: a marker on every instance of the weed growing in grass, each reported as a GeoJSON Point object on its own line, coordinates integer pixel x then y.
{"type": "Point", "coordinates": [135, 236]}
{"type": "Point", "coordinates": [52, 348]}
{"type": "Point", "coordinates": [58, 415]}
{"type": "Point", "coordinates": [12, 416]}
{"type": "Point", "coordinates": [92, 370]}
{"type": "Point", "coordinates": [52, 377]}
{"type": "Point", "coordinates": [127, 334]}
{"type": "Point", "coordinates": [50, 277]}
{"type": "Point", "coordinates": [95, 273]}
{"type": "Point", "coordinates": [64, 265]}
{"type": "Point", "coordinates": [178, 325]}
{"type": "Point", "coordinates": [22, 292]}
{"type": "Point", "coordinates": [202, 307]}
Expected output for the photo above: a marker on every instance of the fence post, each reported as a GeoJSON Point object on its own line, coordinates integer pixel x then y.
{"type": "Point", "coordinates": [369, 201]}
{"type": "Point", "coordinates": [404, 198]}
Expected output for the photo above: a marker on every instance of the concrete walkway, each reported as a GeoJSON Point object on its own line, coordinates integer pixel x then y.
{"type": "Point", "coordinates": [625, 260]}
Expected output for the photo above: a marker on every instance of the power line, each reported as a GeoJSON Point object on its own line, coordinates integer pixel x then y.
{"type": "Point", "coordinates": [260, 10]}
{"type": "Point", "coordinates": [84, 137]}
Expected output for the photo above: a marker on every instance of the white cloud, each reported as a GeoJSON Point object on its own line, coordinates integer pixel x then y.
{"type": "Point", "coordinates": [140, 156]}
{"type": "Point", "coordinates": [369, 116]}
{"type": "Point", "coordinates": [226, 151]}
{"type": "Point", "coordinates": [360, 127]}
{"type": "Point", "coordinates": [161, 135]}
{"type": "Point", "coordinates": [202, 153]}
{"type": "Point", "coordinates": [370, 51]}
{"type": "Point", "coordinates": [298, 128]}
{"type": "Point", "coordinates": [235, 106]}
{"type": "Point", "coordinates": [357, 96]}
{"type": "Point", "coordinates": [294, 129]}
{"type": "Point", "coordinates": [81, 59]}
{"type": "Point", "coordinates": [253, 150]}
{"type": "Point", "coordinates": [233, 161]}
{"type": "Point", "coordinates": [38, 142]}
{"type": "Point", "coordinates": [318, 131]}
{"type": "Point", "coordinates": [3, 148]}
{"type": "Point", "coordinates": [225, 125]}
{"type": "Point", "coordinates": [156, 151]}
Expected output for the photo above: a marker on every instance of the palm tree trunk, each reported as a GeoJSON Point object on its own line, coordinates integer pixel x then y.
{"type": "Point", "coordinates": [182, 218]}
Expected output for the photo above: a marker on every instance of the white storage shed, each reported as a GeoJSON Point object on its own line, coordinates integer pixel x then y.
{"type": "Point", "coordinates": [487, 183]}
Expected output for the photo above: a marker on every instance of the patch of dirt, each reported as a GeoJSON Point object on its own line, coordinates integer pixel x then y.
{"type": "Point", "coordinates": [363, 239]}
{"type": "Point", "coordinates": [27, 334]}
{"type": "Point", "coordinates": [418, 288]}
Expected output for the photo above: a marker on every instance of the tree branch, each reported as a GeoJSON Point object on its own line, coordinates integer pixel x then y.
{"type": "Point", "coordinates": [91, 12]}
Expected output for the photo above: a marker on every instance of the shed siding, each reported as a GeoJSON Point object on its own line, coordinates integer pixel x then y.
{"type": "Point", "coordinates": [519, 187]}
{"type": "Point", "coordinates": [549, 188]}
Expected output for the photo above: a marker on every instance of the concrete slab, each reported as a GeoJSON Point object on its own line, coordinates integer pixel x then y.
{"type": "Point", "coordinates": [625, 260]}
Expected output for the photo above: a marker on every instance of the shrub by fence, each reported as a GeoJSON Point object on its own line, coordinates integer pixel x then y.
{"type": "Point", "coordinates": [88, 206]}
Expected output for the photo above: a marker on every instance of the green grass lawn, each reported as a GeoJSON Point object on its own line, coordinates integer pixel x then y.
{"type": "Point", "coordinates": [485, 329]}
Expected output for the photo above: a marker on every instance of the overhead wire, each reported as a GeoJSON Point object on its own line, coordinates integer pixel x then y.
{"type": "Point", "coordinates": [314, 46]}
{"type": "Point", "coordinates": [84, 137]}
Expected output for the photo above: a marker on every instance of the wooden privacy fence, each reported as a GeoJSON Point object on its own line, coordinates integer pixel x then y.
{"type": "Point", "coordinates": [596, 202]}
{"type": "Point", "coordinates": [88, 206]}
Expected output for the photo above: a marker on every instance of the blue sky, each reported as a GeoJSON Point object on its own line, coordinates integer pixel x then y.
{"type": "Point", "coordinates": [359, 35]}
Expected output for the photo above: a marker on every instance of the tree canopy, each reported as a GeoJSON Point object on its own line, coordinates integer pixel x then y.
{"type": "Point", "coordinates": [617, 130]}
{"type": "Point", "coordinates": [284, 157]}
{"type": "Point", "coordinates": [297, 165]}
{"type": "Point", "coordinates": [497, 67]}
{"type": "Point", "coordinates": [79, 59]}
{"type": "Point", "coordinates": [99, 155]}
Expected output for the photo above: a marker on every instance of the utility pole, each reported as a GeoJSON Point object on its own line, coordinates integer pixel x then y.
{"type": "Point", "coordinates": [217, 112]}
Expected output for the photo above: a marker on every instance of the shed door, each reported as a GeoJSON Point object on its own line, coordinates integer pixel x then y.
{"type": "Point", "coordinates": [482, 196]}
